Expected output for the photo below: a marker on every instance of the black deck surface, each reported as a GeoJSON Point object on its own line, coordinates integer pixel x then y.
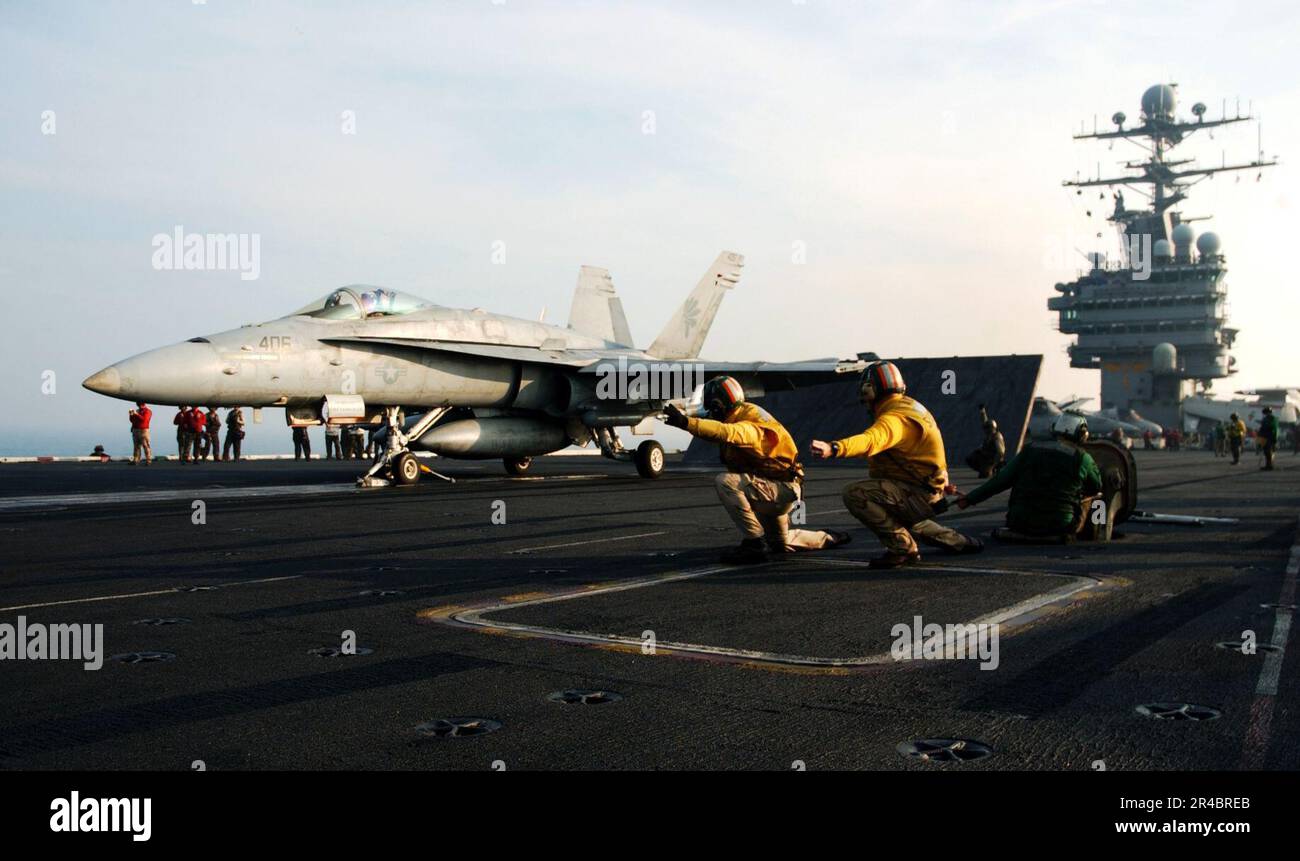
{"type": "Point", "coordinates": [293, 548]}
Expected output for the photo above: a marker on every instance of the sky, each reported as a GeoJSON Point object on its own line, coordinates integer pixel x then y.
{"type": "Point", "coordinates": [891, 171]}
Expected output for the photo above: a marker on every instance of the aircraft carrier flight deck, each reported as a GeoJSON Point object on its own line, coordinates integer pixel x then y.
{"type": "Point", "coordinates": [578, 618]}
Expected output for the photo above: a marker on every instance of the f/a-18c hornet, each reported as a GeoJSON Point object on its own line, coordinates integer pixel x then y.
{"type": "Point", "coordinates": [461, 383]}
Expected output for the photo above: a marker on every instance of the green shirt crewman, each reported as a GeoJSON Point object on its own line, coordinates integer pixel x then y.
{"type": "Point", "coordinates": [1048, 481]}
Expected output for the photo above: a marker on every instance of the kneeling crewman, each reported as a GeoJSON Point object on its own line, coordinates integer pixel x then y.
{"type": "Point", "coordinates": [1049, 482]}
{"type": "Point", "coordinates": [908, 469]}
{"type": "Point", "coordinates": [764, 479]}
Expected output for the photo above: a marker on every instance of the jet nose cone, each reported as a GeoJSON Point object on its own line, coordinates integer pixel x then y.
{"type": "Point", "coordinates": [106, 382]}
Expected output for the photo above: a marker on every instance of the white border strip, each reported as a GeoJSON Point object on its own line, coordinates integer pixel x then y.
{"type": "Point", "coordinates": [1008, 616]}
{"type": "Point", "coordinates": [171, 591]}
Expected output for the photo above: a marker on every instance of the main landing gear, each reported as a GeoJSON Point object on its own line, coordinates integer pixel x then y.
{"type": "Point", "coordinates": [648, 457]}
{"type": "Point", "coordinates": [517, 465]}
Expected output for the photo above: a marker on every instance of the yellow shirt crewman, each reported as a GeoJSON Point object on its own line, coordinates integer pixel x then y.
{"type": "Point", "coordinates": [908, 469]}
{"type": "Point", "coordinates": [763, 480]}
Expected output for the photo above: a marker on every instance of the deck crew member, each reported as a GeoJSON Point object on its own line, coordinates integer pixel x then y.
{"type": "Point", "coordinates": [907, 467]}
{"type": "Point", "coordinates": [212, 434]}
{"type": "Point", "coordinates": [182, 422]}
{"type": "Point", "coordinates": [1268, 432]}
{"type": "Point", "coordinates": [1049, 483]}
{"type": "Point", "coordinates": [234, 432]}
{"type": "Point", "coordinates": [333, 442]}
{"type": "Point", "coordinates": [992, 453]}
{"type": "Point", "coordinates": [140, 417]}
{"type": "Point", "coordinates": [764, 479]}
{"type": "Point", "coordinates": [198, 423]}
{"type": "Point", "coordinates": [1236, 437]}
{"type": "Point", "coordinates": [301, 444]}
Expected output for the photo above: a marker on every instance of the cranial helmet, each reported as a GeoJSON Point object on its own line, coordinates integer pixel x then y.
{"type": "Point", "coordinates": [1071, 426]}
{"type": "Point", "coordinates": [880, 379]}
{"type": "Point", "coordinates": [720, 395]}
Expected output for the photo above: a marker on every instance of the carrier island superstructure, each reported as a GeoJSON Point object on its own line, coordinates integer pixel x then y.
{"type": "Point", "coordinates": [1155, 323]}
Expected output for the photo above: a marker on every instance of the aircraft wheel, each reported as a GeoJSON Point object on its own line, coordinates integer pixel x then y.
{"type": "Point", "coordinates": [649, 459]}
{"type": "Point", "coordinates": [517, 465]}
{"type": "Point", "coordinates": [407, 469]}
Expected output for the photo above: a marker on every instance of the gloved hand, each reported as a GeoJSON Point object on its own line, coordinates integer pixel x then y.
{"type": "Point", "coordinates": [674, 417]}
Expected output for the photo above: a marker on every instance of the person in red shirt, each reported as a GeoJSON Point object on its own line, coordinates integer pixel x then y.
{"type": "Point", "coordinates": [140, 417]}
{"type": "Point", "coordinates": [197, 427]}
{"type": "Point", "coordinates": [182, 422]}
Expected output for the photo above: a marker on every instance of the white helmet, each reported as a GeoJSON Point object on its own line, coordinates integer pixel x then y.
{"type": "Point", "coordinates": [1069, 425]}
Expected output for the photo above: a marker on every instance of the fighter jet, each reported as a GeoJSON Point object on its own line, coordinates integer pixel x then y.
{"type": "Point", "coordinates": [1130, 416]}
{"type": "Point", "coordinates": [1202, 412]}
{"type": "Point", "coordinates": [461, 383]}
{"type": "Point", "coordinates": [1045, 411]}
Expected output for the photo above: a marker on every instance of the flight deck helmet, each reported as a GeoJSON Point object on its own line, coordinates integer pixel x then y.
{"type": "Point", "coordinates": [880, 379]}
{"type": "Point", "coordinates": [719, 396]}
{"type": "Point", "coordinates": [1072, 427]}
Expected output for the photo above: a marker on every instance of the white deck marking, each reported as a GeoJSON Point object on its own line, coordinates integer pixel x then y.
{"type": "Point", "coordinates": [1259, 732]}
{"type": "Point", "coordinates": [592, 541]}
{"type": "Point", "coordinates": [169, 591]}
{"type": "Point", "coordinates": [64, 500]}
{"type": "Point", "coordinates": [1007, 616]}
{"type": "Point", "coordinates": [1271, 673]}
{"type": "Point", "coordinates": [30, 503]}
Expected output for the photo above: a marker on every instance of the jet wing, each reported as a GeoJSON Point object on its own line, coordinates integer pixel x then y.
{"type": "Point", "coordinates": [755, 377]}
{"type": "Point", "coordinates": [507, 352]}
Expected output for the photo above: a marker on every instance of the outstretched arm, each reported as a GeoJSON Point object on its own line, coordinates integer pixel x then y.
{"type": "Point", "coordinates": [1001, 480]}
{"type": "Point", "coordinates": [888, 431]}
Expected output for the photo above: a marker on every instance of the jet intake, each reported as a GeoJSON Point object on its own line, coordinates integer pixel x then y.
{"type": "Point", "coordinates": [503, 436]}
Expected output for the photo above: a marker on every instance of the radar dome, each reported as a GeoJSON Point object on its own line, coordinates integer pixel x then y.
{"type": "Point", "coordinates": [1207, 244]}
{"type": "Point", "coordinates": [1183, 236]}
{"type": "Point", "coordinates": [1158, 102]}
{"type": "Point", "coordinates": [1162, 249]}
{"type": "Point", "coordinates": [1164, 359]}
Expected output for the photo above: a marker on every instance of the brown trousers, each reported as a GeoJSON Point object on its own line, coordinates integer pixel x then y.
{"type": "Point", "coordinates": [140, 443]}
{"type": "Point", "coordinates": [761, 507]}
{"type": "Point", "coordinates": [899, 514]}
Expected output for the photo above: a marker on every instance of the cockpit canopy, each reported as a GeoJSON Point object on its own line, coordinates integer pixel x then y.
{"type": "Point", "coordinates": [360, 301]}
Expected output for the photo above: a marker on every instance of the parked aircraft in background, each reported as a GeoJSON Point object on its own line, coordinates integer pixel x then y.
{"type": "Point", "coordinates": [1045, 411]}
{"type": "Point", "coordinates": [1201, 412]}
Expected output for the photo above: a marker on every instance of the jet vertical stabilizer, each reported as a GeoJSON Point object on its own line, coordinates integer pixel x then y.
{"type": "Point", "coordinates": [684, 335]}
{"type": "Point", "coordinates": [596, 309]}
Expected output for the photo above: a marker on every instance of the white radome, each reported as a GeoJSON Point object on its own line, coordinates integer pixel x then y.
{"type": "Point", "coordinates": [1207, 244]}
{"type": "Point", "coordinates": [1164, 358]}
{"type": "Point", "coordinates": [1158, 101]}
{"type": "Point", "coordinates": [1183, 235]}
